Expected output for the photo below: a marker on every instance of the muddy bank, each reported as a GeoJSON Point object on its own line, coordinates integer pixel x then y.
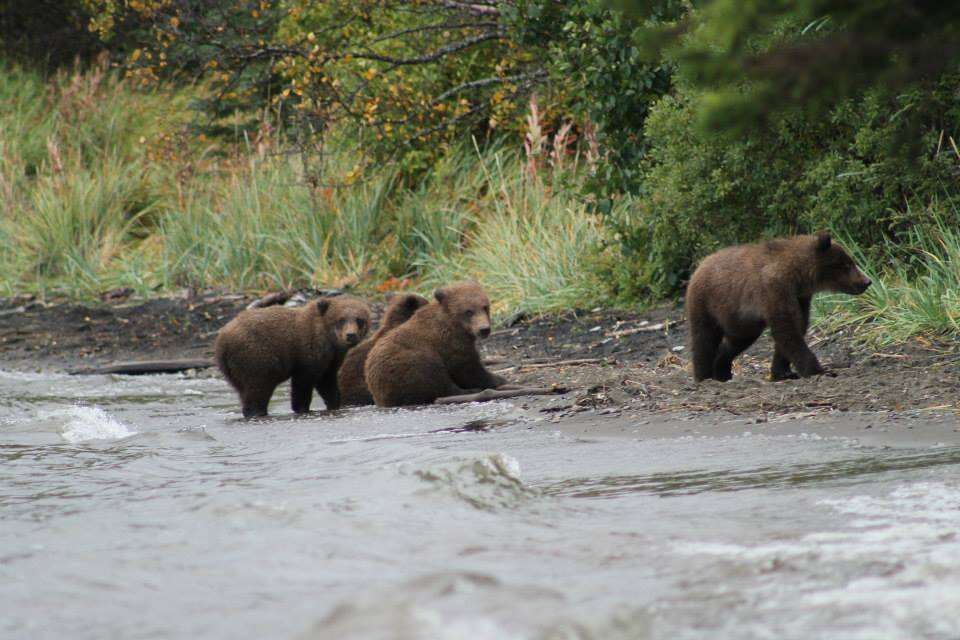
{"type": "Point", "coordinates": [616, 363]}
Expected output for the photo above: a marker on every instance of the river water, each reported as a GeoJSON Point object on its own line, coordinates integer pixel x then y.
{"type": "Point", "coordinates": [143, 508]}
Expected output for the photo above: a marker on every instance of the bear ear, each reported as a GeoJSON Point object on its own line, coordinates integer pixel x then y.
{"type": "Point", "coordinates": [413, 302]}
{"type": "Point", "coordinates": [440, 295]}
{"type": "Point", "coordinates": [823, 242]}
{"type": "Point", "coordinates": [323, 305]}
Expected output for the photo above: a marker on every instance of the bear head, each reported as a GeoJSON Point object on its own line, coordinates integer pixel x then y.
{"type": "Point", "coordinates": [467, 305]}
{"type": "Point", "coordinates": [835, 269]}
{"type": "Point", "coordinates": [346, 318]}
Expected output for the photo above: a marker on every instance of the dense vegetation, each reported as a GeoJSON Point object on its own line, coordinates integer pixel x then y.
{"type": "Point", "coordinates": [567, 154]}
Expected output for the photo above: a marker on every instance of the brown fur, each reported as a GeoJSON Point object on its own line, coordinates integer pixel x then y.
{"type": "Point", "coordinates": [434, 354]}
{"type": "Point", "coordinates": [737, 292]}
{"type": "Point", "coordinates": [353, 386]}
{"type": "Point", "coordinates": [261, 348]}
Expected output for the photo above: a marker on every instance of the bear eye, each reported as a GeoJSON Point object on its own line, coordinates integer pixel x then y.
{"type": "Point", "coordinates": [341, 322]}
{"type": "Point", "coordinates": [468, 313]}
{"type": "Point", "coordinates": [361, 323]}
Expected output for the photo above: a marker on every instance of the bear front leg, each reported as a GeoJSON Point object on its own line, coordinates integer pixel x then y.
{"type": "Point", "coordinates": [473, 375]}
{"type": "Point", "coordinates": [301, 393]}
{"type": "Point", "coordinates": [329, 390]}
{"type": "Point", "coordinates": [785, 326]}
{"type": "Point", "coordinates": [780, 367]}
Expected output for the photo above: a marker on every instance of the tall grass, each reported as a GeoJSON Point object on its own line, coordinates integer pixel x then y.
{"type": "Point", "coordinates": [75, 173]}
{"type": "Point", "coordinates": [101, 193]}
{"type": "Point", "coordinates": [915, 291]}
{"type": "Point", "coordinates": [262, 228]}
{"type": "Point", "coordinates": [531, 247]}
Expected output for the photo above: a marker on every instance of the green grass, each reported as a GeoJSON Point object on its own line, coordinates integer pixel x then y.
{"type": "Point", "coordinates": [76, 177]}
{"type": "Point", "coordinates": [531, 250]}
{"type": "Point", "coordinates": [261, 228]}
{"type": "Point", "coordinates": [915, 292]}
{"type": "Point", "coordinates": [102, 191]}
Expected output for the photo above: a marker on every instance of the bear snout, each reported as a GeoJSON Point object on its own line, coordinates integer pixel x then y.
{"type": "Point", "coordinates": [484, 332]}
{"type": "Point", "coordinates": [863, 285]}
{"type": "Point", "coordinates": [352, 338]}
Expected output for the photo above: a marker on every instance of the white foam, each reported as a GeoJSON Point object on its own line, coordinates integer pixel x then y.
{"type": "Point", "coordinates": [911, 533]}
{"type": "Point", "coordinates": [80, 424]}
{"type": "Point", "coordinates": [485, 481]}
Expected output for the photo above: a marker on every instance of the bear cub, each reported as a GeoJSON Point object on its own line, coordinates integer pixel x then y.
{"type": "Point", "coordinates": [353, 386]}
{"type": "Point", "coordinates": [261, 348]}
{"type": "Point", "coordinates": [737, 292]}
{"type": "Point", "coordinates": [434, 353]}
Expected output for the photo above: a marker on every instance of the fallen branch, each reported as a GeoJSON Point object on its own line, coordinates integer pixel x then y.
{"type": "Point", "coordinates": [647, 327]}
{"type": "Point", "coordinates": [561, 363]}
{"type": "Point", "coordinates": [271, 299]}
{"type": "Point", "coordinates": [497, 394]}
{"type": "Point", "coordinates": [146, 367]}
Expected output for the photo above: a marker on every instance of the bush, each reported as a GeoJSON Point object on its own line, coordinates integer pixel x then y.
{"type": "Point", "coordinates": [702, 192]}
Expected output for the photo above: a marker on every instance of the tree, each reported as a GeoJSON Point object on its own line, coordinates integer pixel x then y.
{"type": "Point", "coordinates": [46, 32]}
{"type": "Point", "coordinates": [759, 58]}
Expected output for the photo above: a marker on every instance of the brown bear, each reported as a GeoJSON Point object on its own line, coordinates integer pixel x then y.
{"type": "Point", "coordinates": [353, 386]}
{"type": "Point", "coordinates": [434, 353]}
{"type": "Point", "coordinates": [261, 348]}
{"type": "Point", "coordinates": [737, 292]}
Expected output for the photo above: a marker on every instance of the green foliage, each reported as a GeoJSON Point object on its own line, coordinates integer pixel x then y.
{"type": "Point", "coordinates": [46, 33]}
{"type": "Point", "coordinates": [759, 59]}
{"type": "Point", "coordinates": [602, 75]}
{"type": "Point", "coordinates": [702, 192]}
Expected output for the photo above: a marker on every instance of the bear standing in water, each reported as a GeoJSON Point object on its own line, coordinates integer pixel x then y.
{"type": "Point", "coordinates": [353, 386]}
{"type": "Point", "coordinates": [261, 348]}
{"type": "Point", "coordinates": [434, 354]}
{"type": "Point", "coordinates": [737, 292]}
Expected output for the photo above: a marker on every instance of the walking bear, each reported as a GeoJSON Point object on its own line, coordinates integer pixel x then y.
{"type": "Point", "coordinates": [737, 292]}
{"type": "Point", "coordinates": [350, 379]}
{"type": "Point", "coordinates": [261, 348]}
{"type": "Point", "coordinates": [434, 353]}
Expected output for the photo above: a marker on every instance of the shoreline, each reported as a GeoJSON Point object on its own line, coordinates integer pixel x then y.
{"type": "Point", "coordinates": [626, 371]}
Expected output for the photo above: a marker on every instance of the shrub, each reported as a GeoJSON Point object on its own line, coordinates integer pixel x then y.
{"type": "Point", "coordinates": [702, 192]}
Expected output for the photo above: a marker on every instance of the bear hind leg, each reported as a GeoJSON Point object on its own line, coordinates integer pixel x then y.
{"type": "Point", "coordinates": [705, 337]}
{"type": "Point", "coordinates": [255, 401]}
{"type": "Point", "coordinates": [729, 349]}
{"type": "Point", "coordinates": [780, 368]}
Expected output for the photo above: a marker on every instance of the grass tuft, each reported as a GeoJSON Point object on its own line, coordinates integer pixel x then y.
{"type": "Point", "coordinates": [915, 290]}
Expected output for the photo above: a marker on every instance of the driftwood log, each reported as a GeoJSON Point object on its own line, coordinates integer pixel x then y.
{"type": "Point", "coordinates": [145, 367]}
{"type": "Point", "coordinates": [506, 391]}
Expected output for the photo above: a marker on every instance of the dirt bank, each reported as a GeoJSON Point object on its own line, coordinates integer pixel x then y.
{"type": "Point", "coordinates": [614, 362]}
